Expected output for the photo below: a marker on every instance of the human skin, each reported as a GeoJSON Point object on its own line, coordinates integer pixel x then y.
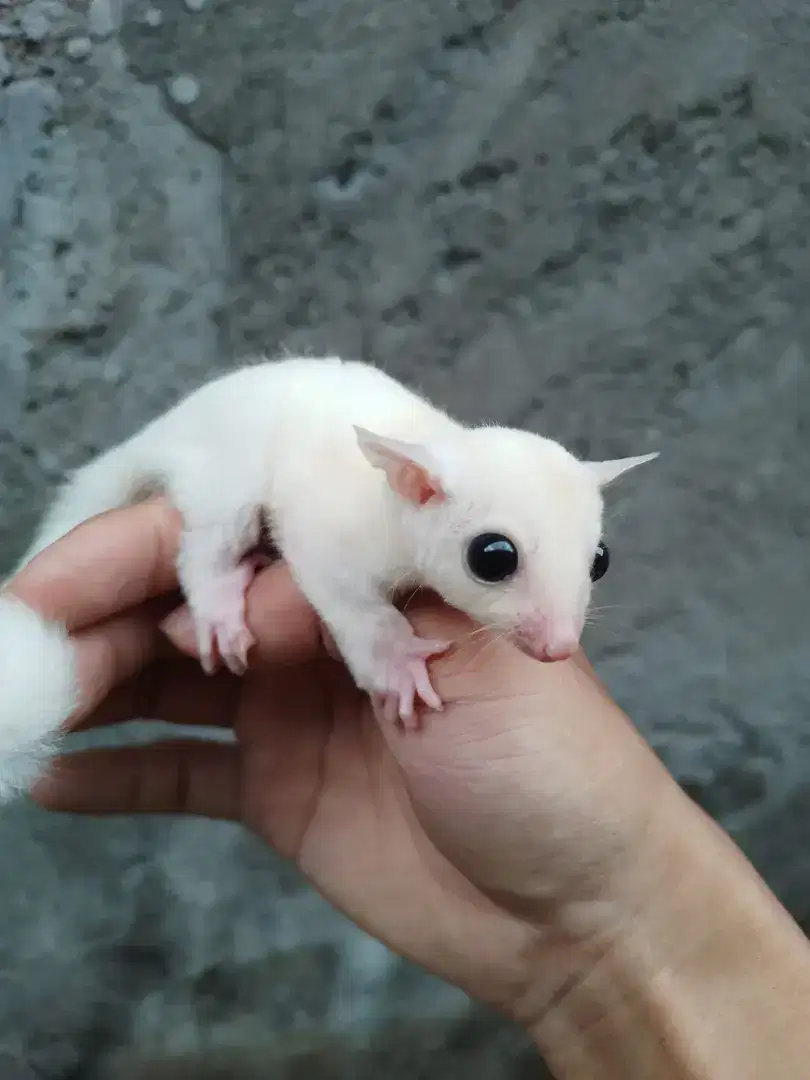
{"type": "Point", "coordinates": [525, 844]}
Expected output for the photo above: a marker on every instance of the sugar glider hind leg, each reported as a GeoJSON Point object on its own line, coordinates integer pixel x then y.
{"type": "Point", "coordinates": [218, 496]}
{"type": "Point", "coordinates": [221, 511]}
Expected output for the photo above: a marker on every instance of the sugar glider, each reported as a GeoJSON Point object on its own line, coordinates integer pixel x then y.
{"type": "Point", "coordinates": [368, 489]}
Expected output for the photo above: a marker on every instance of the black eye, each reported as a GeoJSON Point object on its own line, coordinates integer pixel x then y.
{"type": "Point", "coordinates": [601, 561]}
{"type": "Point", "coordinates": [492, 557]}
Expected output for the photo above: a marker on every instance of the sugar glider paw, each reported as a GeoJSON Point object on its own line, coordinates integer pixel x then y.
{"type": "Point", "coordinates": [219, 620]}
{"type": "Point", "coordinates": [401, 677]}
{"type": "Point", "coordinates": [226, 639]}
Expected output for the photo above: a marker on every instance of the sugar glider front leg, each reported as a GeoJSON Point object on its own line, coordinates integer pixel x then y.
{"type": "Point", "coordinates": [378, 644]}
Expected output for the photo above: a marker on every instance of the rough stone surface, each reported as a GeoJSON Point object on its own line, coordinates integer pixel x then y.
{"type": "Point", "coordinates": [79, 48]}
{"type": "Point", "coordinates": [589, 217]}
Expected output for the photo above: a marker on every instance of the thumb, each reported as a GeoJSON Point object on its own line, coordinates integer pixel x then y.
{"type": "Point", "coordinates": [474, 678]}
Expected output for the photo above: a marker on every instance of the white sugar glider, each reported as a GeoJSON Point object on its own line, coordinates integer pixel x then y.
{"type": "Point", "coordinates": [368, 488]}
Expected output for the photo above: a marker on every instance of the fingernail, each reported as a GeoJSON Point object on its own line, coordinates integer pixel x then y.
{"type": "Point", "coordinates": [50, 784]}
{"type": "Point", "coordinates": [328, 641]}
{"type": "Point", "coordinates": [179, 627]}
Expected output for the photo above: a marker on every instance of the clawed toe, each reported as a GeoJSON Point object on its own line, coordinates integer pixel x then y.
{"type": "Point", "coordinates": [424, 687]}
{"type": "Point", "coordinates": [224, 643]}
{"type": "Point", "coordinates": [235, 650]}
{"type": "Point", "coordinates": [219, 614]}
{"type": "Point", "coordinates": [406, 682]}
{"type": "Point", "coordinates": [425, 648]}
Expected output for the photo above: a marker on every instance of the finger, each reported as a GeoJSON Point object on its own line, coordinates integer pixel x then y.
{"type": "Point", "coordinates": [177, 777]}
{"type": "Point", "coordinates": [173, 690]}
{"type": "Point", "coordinates": [111, 653]}
{"type": "Point", "coordinates": [127, 670]}
{"type": "Point", "coordinates": [107, 564]}
{"type": "Point", "coordinates": [286, 629]}
{"type": "Point", "coordinates": [329, 643]}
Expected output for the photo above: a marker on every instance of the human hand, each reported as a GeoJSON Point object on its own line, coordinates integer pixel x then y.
{"type": "Point", "coordinates": [515, 823]}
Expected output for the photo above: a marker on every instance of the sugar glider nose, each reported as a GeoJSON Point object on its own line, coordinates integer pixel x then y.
{"type": "Point", "coordinates": [560, 650]}
{"type": "Point", "coordinates": [545, 641]}
{"type": "Point", "coordinates": [562, 640]}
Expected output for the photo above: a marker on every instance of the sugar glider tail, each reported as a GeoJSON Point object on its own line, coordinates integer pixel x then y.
{"type": "Point", "coordinates": [115, 479]}
{"type": "Point", "coordinates": [38, 679]}
{"type": "Point", "coordinates": [38, 692]}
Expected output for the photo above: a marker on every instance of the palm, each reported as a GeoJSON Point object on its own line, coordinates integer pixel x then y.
{"type": "Point", "coordinates": [321, 785]}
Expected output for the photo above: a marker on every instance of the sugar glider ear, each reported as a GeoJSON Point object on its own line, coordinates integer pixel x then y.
{"type": "Point", "coordinates": [409, 467]}
{"type": "Point", "coordinates": [608, 471]}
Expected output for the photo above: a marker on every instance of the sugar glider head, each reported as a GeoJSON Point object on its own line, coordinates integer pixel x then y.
{"type": "Point", "coordinates": [506, 526]}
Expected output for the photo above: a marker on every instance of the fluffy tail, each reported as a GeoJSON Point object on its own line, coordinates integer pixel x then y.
{"type": "Point", "coordinates": [38, 692]}
{"type": "Point", "coordinates": [112, 480]}
{"type": "Point", "coordinates": [38, 682]}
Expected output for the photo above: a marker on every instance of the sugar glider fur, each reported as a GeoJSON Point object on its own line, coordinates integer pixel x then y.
{"type": "Point", "coordinates": [369, 489]}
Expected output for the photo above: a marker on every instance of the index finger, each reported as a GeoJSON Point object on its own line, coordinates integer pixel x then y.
{"type": "Point", "coordinates": [106, 565]}
{"type": "Point", "coordinates": [284, 626]}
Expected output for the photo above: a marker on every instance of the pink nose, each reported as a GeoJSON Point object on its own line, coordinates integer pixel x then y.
{"type": "Point", "coordinates": [544, 641]}
{"type": "Point", "coordinates": [560, 650]}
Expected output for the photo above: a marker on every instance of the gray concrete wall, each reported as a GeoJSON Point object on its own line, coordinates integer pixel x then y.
{"type": "Point", "coordinates": [588, 217]}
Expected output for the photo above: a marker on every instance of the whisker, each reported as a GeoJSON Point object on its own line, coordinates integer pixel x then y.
{"type": "Point", "coordinates": [489, 644]}
{"type": "Point", "coordinates": [609, 633]}
{"type": "Point", "coordinates": [484, 629]}
{"type": "Point", "coordinates": [478, 632]}
{"type": "Point", "coordinates": [414, 593]}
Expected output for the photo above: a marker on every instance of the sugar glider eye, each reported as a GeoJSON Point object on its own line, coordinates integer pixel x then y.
{"type": "Point", "coordinates": [492, 558]}
{"type": "Point", "coordinates": [601, 561]}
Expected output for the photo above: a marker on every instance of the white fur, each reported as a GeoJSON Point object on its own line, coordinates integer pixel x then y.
{"type": "Point", "coordinates": [38, 692]}
{"type": "Point", "coordinates": [317, 445]}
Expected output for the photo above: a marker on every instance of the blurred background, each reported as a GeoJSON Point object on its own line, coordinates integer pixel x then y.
{"type": "Point", "coordinates": [588, 218]}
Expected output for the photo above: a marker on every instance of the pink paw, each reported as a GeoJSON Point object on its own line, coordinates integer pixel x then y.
{"type": "Point", "coordinates": [403, 678]}
{"type": "Point", "coordinates": [219, 617]}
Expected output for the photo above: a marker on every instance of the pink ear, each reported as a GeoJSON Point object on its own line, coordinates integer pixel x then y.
{"type": "Point", "coordinates": [407, 466]}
